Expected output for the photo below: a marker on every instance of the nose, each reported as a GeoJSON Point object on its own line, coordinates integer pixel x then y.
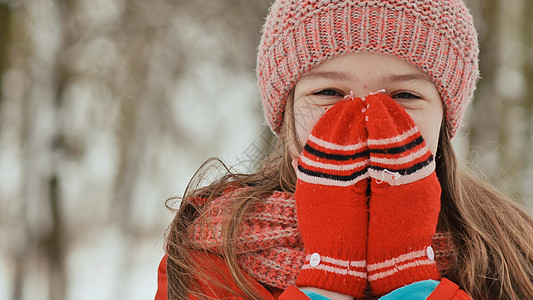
{"type": "Point", "coordinates": [364, 93]}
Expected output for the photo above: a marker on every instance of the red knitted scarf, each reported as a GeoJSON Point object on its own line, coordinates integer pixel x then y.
{"type": "Point", "coordinates": [270, 247]}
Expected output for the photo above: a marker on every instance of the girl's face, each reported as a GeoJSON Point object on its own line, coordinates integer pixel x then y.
{"type": "Point", "coordinates": [363, 73]}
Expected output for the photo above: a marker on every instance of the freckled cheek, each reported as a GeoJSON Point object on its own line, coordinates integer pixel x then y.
{"type": "Point", "coordinates": [429, 126]}
{"type": "Point", "coordinates": [305, 118]}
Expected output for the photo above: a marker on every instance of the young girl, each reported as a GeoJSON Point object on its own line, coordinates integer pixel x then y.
{"type": "Point", "coordinates": [363, 197]}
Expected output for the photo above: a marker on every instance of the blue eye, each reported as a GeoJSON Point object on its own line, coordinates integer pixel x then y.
{"type": "Point", "coordinates": [405, 95]}
{"type": "Point", "coordinates": [329, 93]}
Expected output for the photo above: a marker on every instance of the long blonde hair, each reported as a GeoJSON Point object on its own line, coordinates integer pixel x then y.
{"type": "Point", "coordinates": [492, 234]}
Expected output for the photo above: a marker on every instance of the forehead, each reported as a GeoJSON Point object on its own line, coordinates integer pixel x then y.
{"type": "Point", "coordinates": [366, 62]}
{"type": "Point", "coordinates": [357, 67]}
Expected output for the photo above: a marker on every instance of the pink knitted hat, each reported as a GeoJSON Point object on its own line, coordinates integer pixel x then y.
{"type": "Point", "coordinates": [437, 36]}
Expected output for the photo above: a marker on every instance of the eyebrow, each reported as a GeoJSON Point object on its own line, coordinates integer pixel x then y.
{"type": "Point", "coordinates": [421, 78]}
{"type": "Point", "coordinates": [331, 75]}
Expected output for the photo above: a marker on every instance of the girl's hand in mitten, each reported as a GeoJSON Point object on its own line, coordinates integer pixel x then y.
{"type": "Point", "coordinates": [331, 201]}
{"type": "Point", "coordinates": [405, 199]}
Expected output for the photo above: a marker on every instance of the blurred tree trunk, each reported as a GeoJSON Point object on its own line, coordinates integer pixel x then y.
{"type": "Point", "coordinates": [5, 40]}
{"type": "Point", "coordinates": [5, 28]}
{"type": "Point", "coordinates": [41, 135]}
{"type": "Point", "coordinates": [20, 251]}
{"type": "Point", "coordinates": [528, 66]}
{"type": "Point", "coordinates": [500, 117]}
{"type": "Point", "coordinates": [511, 87]}
{"type": "Point", "coordinates": [485, 107]}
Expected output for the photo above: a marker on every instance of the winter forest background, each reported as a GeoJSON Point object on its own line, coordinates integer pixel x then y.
{"type": "Point", "coordinates": [108, 107]}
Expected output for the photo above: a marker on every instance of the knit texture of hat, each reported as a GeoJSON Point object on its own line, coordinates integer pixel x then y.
{"type": "Point", "coordinates": [437, 36]}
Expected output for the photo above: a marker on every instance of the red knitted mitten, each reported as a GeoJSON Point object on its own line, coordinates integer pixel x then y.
{"type": "Point", "coordinates": [331, 201]}
{"type": "Point", "coordinates": [404, 201]}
